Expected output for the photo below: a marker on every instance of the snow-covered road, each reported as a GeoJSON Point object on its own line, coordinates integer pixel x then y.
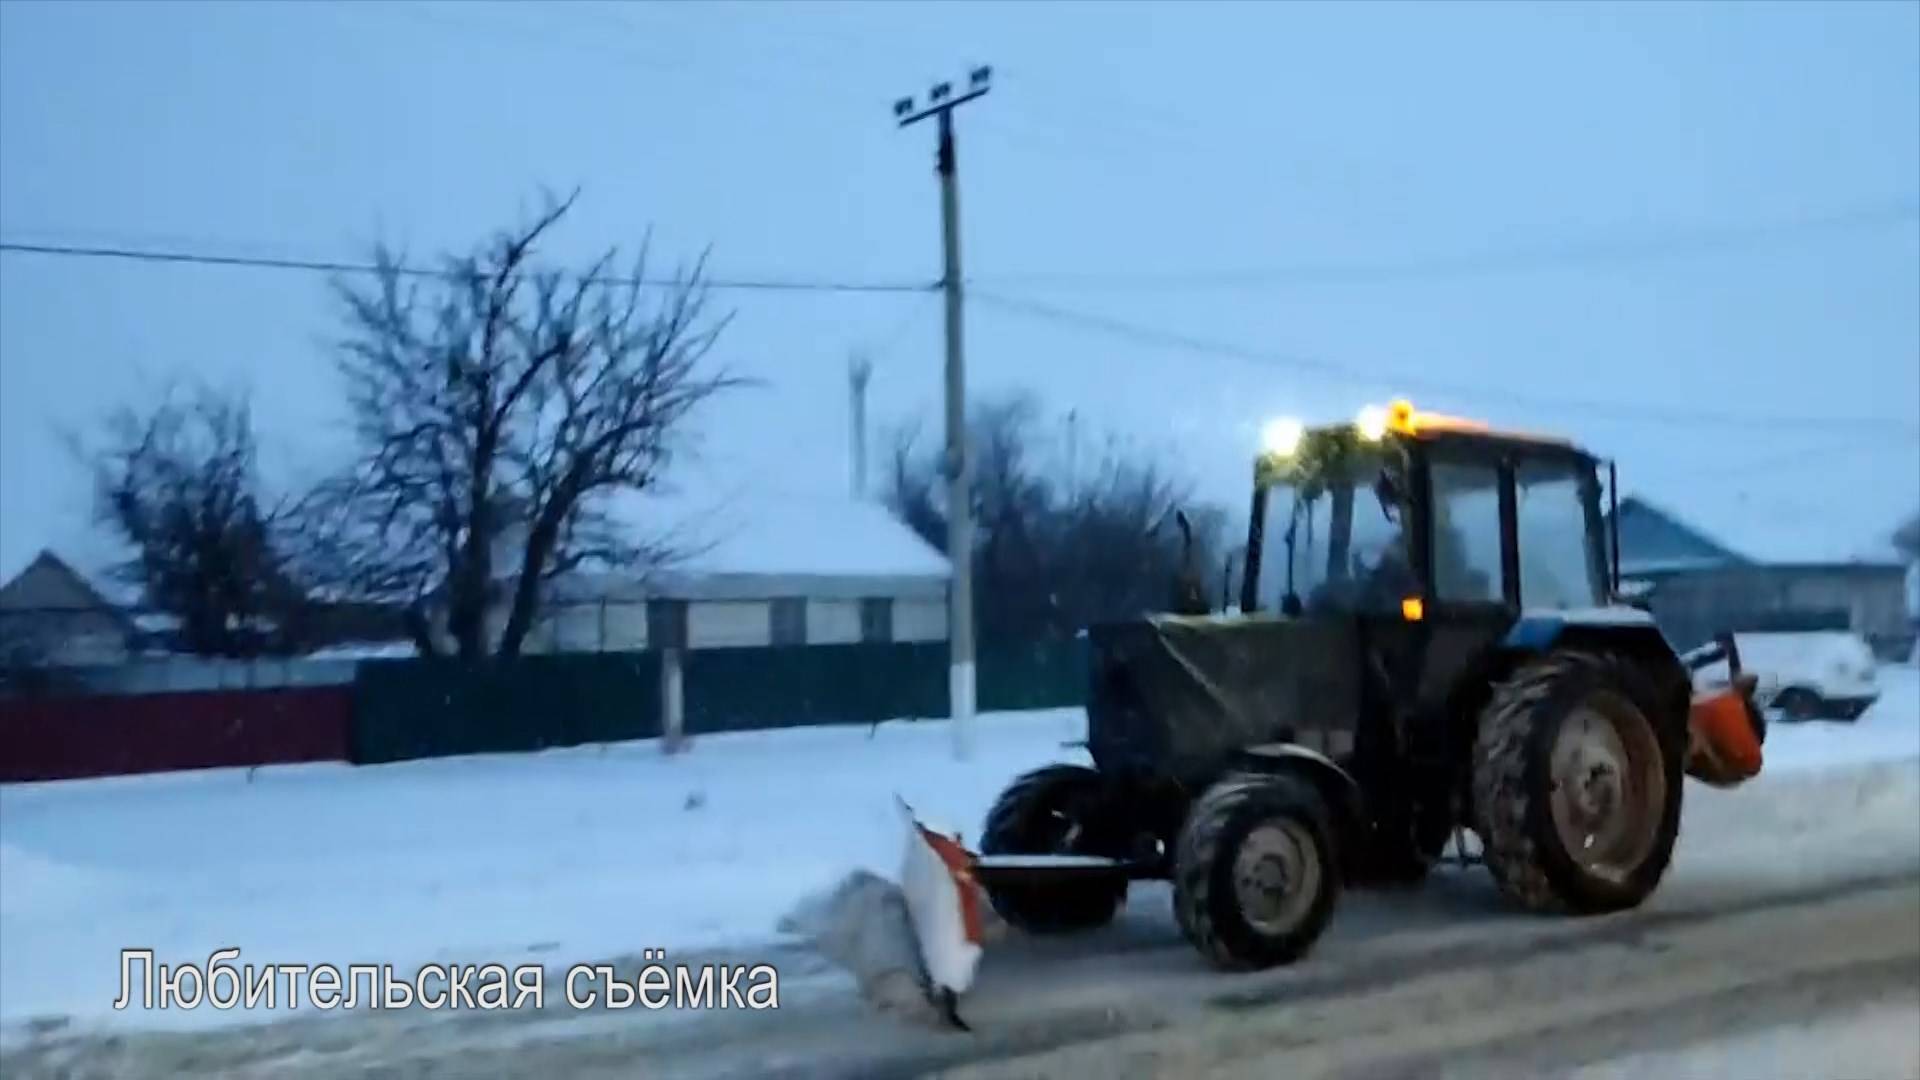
{"type": "Point", "coordinates": [589, 854]}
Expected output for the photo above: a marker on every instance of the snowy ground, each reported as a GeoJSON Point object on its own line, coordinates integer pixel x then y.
{"type": "Point", "coordinates": [555, 857]}
{"type": "Point", "coordinates": [569, 855]}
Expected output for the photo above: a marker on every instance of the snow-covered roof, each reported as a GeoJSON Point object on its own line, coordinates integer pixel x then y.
{"type": "Point", "coordinates": [771, 543]}
{"type": "Point", "coordinates": [1803, 527]}
{"type": "Point", "coordinates": [51, 583]}
{"type": "Point", "coordinates": [795, 534]}
{"type": "Point", "coordinates": [1630, 566]}
{"type": "Point", "coordinates": [1654, 539]}
{"type": "Point", "coordinates": [1779, 527]}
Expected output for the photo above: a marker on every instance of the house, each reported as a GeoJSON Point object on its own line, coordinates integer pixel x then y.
{"type": "Point", "coordinates": [1791, 571]}
{"type": "Point", "coordinates": [762, 569]}
{"type": "Point", "coordinates": [50, 614]}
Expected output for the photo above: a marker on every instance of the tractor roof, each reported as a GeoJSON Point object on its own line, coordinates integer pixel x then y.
{"type": "Point", "coordinates": [1292, 451]}
{"type": "Point", "coordinates": [1401, 418]}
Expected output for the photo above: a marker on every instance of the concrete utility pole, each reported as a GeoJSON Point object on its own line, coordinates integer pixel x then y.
{"type": "Point", "coordinates": [1073, 453]}
{"type": "Point", "coordinates": [859, 370]}
{"type": "Point", "coordinates": [941, 101]}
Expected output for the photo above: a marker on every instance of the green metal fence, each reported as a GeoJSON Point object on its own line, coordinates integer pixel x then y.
{"type": "Point", "coordinates": [433, 708]}
{"type": "Point", "coordinates": [800, 685]}
{"type": "Point", "coordinates": [1032, 675]}
{"type": "Point", "coordinates": [407, 709]}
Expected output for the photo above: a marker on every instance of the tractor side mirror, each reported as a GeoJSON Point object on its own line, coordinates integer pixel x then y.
{"type": "Point", "coordinates": [1387, 492]}
{"type": "Point", "coordinates": [1636, 594]}
{"type": "Point", "coordinates": [1189, 594]}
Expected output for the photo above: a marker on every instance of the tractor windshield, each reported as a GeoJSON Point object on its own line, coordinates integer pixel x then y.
{"type": "Point", "coordinates": [1335, 546]}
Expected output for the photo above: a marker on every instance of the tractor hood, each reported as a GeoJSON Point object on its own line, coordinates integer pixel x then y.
{"type": "Point", "coordinates": [1180, 694]}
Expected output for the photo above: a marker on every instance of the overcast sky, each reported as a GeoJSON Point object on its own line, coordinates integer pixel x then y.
{"type": "Point", "coordinates": [1565, 217]}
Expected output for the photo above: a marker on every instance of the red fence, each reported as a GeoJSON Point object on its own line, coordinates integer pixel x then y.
{"type": "Point", "coordinates": [59, 738]}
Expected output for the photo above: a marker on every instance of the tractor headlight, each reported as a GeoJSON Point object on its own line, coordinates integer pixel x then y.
{"type": "Point", "coordinates": [1371, 423]}
{"type": "Point", "coordinates": [1281, 436]}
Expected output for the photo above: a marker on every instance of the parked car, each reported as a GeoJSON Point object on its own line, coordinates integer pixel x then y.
{"type": "Point", "coordinates": [1820, 675]}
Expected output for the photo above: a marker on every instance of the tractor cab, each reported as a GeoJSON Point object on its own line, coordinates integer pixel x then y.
{"type": "Point", "coordinates": [1413, 515]}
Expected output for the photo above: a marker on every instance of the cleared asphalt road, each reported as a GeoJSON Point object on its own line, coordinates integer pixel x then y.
{"type": "Point", "coordinates": [1654, 989]}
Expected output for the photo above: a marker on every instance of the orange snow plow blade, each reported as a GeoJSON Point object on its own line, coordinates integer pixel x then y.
{"type": "Point", "coordinates": [943, 884]}
{"type": "Point", "coordinates": [943, 902]}
{"type": "Point", "coordinates": [1725, 729]}
{"type": "Point", "coordinates": [1723, 736]}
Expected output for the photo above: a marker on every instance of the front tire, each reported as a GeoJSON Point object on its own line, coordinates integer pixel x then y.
{"type": "Point", "coordinates": [1256, 872]}
{"type": "Point", "coordinates": [1054, 810]}
{"type": "Point", "coordinates": [1577, 785]}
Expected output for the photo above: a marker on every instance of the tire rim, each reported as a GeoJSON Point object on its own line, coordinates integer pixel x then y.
{"type": "Point", "coordinates": [1276, 874]}
{"type": "Point", "coordinates": [1609, 789]}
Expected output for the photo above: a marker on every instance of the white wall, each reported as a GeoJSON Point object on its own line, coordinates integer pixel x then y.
{"type": "Point", "coordinates": [577, 629]}
{"type": "Point", "coordinates": [919, 620]}
{"type": "Point", "coordinates": [833, 622]}
{"type": "Point", "coordinates": [626, 625]}
{"type": "Point", "coordinates": [722, 624]}
{"type": "Point", "coordinates": [719, 623]}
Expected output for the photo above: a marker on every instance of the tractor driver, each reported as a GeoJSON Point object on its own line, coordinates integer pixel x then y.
{"type": "Point", "coordinates": [1379, 573]}
{"type": "Point", "coordinates": [1389, 579]}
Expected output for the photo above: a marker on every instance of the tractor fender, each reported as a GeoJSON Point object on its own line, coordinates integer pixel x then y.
{"type": "Point", "coordinates": [1539, 631]}
{"type": "Point", "coordinates": [1336, 784]}
{"type": "Point", "coordinates": [1619, 629]}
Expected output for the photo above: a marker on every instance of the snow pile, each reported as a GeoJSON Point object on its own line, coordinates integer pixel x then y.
{"type": "Point", "coordinates": [862, 925]}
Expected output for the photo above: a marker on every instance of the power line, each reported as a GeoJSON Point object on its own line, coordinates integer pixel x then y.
{"type": "Point", "coordinates": [1345, 373]}
{"type": "Point", "coordinates": [1677, 242]}
{"type": "Point", "coordinates": [1817, 457]}
{"type": "Point", "coordinates": [332, 266]}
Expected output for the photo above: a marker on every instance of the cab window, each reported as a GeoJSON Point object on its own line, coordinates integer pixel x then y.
{"type": "Point", "coordinates": [1558, 567]}
{"type": "Point", "coordinates": [1466, 532]}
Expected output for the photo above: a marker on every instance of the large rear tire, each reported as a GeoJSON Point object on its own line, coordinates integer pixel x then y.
{"type": "Point", "coordinates": [1256, 873]}
{"type": "Point", "coordinates": [1576, 784]}
{"type": "Point", "coordinates": [1052, 811]}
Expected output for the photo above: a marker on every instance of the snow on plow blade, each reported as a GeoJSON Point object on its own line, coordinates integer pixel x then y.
{"type": "Point", "coordinates": [944, 904]}
{"type": "Point", "coordinates": [1725, 729]}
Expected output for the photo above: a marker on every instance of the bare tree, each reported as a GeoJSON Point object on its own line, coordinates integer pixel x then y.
{"type": "Point", "coordinates": [496, 407]}
{"type": "Point", "coordinates": [1906, 539]}
{"type": "Point", "coordinates": [179, 484]}
{"type": "Point", "coordinates": [1055, 553]}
